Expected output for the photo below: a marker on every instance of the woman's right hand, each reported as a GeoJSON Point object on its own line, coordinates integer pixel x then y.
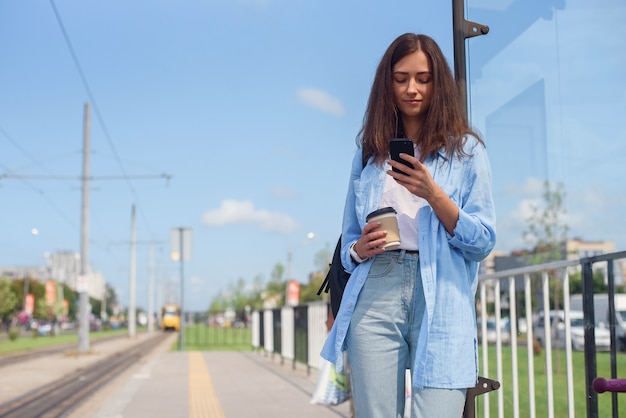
{"type": "Point", "coordinates": [371, 241]}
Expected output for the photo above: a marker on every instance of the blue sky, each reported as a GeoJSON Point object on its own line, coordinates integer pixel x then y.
{"type": "Point", "coordinates": [252, 106]}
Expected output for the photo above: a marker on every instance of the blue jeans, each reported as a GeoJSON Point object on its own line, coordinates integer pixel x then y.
{"type": "Point", "coordinates": [382, 340]}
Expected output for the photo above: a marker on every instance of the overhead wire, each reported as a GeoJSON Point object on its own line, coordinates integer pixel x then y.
{"type": "Point", "coordinates": [45, 197]}
{"type": "Point", "coordinates": [98, 114]}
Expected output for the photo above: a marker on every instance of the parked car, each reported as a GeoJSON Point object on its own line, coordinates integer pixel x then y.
{"type": "Point", "coordinates": [577, 331]}
{"type": "Point", "coordinates": [601, 308]}
{"type": "Point", "coordinates": [44, 328]}
{"type": "Point", "coordinates": [505, 330]}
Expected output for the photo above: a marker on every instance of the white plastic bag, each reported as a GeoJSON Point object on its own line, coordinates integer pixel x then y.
{"type": "Point", "coordinates": [332, 388]}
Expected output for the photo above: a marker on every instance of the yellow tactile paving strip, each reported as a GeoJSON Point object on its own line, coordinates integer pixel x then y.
{"type": "Point", "coordinates": [203, 402]}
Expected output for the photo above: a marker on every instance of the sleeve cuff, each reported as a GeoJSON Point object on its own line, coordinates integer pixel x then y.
{"type": "Point", "coordinates": [354, 255]}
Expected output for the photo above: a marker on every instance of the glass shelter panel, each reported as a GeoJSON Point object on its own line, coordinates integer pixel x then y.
{"type": "Point", "coordinates": [546, 89]}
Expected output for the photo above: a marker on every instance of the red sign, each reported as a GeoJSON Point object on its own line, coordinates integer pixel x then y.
{"type": "Point", "coordinates": [293, 293]}
{"type": "Point", "coordinates": [29, 303]}
{"type": "Point", "coordinates": [51, 292]}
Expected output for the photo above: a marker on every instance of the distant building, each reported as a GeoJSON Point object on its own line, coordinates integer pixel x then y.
{"type": "Point", "coordinates": [571, 249]}
{"type": "Point", "coordinates": [577, 248]}
{"type": "Point", "coordinates": [63, 267]}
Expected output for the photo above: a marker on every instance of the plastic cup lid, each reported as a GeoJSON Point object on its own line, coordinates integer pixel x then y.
{"type": "Point", "coordinates": [381, 211]}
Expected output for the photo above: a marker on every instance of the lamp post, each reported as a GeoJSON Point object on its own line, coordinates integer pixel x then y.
{"type": "Point", "coordinates": [181, 251]}
{"type": "Point", "coordinates": [35, 232]}
{"type": "Point", "coordinates": [309, 237]}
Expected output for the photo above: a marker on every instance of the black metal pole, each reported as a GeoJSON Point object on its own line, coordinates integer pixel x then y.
{"type": "Point", "coordinates": [590, 346]}
{"type": "Point", "coordinates": [611, 324]}
{"type": "Point", "coordinates": [463, 29]}
{"type": "Point", "coordinates": [458, 18]}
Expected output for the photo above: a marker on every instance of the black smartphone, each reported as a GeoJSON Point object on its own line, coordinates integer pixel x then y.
{"type": "Point", "coordinates": [398, 145]}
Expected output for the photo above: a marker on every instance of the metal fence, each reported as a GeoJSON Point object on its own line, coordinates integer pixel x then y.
{"type": "Point", "coordinates": [540, 278]}
{"type": "Point", "coordinates": [297, 334]}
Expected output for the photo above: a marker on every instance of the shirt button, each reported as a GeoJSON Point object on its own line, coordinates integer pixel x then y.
{"type": "Point", "coordinates": [349, 305]}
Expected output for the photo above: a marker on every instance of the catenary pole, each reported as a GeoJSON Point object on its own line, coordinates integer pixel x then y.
{"type": "Point", "coordinates": [82, 285]}
{"type": "Point", "coordinates": [133, 272]}
{"type": "Point", "coordinates": [181, 231]}
{"type": "Point", "coordinates": [150, 289]}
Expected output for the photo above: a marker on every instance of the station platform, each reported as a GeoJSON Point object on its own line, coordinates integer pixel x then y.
{"type": "Point", "coordinates": [171, 384]}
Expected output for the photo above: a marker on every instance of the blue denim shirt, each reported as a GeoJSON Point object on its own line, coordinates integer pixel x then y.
{"type": "Point", "coordinates": [447, 349]}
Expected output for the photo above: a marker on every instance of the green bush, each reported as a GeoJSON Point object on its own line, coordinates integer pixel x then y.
{"type": "Point", "coordinates": [14, 332]}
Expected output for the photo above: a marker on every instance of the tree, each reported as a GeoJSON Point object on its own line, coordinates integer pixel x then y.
{"type": "Point", "coordinates": [218, 304]}
{"type": "Point", "coordinates": [238, 297]}
{"type": "Point", "coordinates": [546, 232]}
{"type": "Point", "coordinates": [8, 299]}
{"type": "Point", "coordinates": [256, 297]}
{"type": "Point", "coordinates": [111, 299]}
{"type": "Point", "coordinates": [308, 292]}
{"type": "Point", "coordinates": [546, 224]}
{"type": "Point", "coordinates": [323, 258]}
{"type": "Point", "coordinates": [576, 282]}
{"type": "Point", "coordinates": [275, 290]}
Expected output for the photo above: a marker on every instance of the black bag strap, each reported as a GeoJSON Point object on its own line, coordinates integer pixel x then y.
{"type": "Point", "coordinates": [335, 262]}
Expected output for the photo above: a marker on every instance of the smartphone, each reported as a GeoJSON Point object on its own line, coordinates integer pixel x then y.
{"type": "Point", "coordinates": [398, 145]}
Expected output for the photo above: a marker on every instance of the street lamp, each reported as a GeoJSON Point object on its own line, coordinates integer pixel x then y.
{"type": "Point", "coordinates": [181, 251]}
{"type": "Point", "coordinates": [309, 237]}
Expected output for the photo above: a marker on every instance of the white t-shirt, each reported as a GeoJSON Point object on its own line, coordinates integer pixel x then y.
{"type": "Point", "coordinates": [407, 206]}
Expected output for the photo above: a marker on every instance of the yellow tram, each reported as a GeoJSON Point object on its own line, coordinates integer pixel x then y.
{"type": "Point", "coordinates": [170, 317]}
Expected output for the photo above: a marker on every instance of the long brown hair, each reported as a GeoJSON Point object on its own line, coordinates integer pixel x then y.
{"type": "Point", "coordinates": [445, 124]}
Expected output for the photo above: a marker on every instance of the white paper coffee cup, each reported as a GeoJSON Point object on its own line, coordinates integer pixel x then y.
{"type": "Point", "coordinates": [388, 222]}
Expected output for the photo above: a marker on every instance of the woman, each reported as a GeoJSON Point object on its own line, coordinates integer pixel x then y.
{"type": "Point", "coordinates": [413, 307]}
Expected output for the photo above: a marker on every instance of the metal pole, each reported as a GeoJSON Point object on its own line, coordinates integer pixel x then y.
{"type": "Point", "coordinates": [463, 29]}
{"type": "Point", "coordinates": [182, 291]}
{"type": "Point", "coordinates": [83, 298]}
{"type": "Point", "coordinates": [590, 345]}
{"type": "Point", "coordinates": [133, 271]}
{"type": "Point", "coordinates": [150, 292]}
{"type": "Point", "coordinates": [458, 18]}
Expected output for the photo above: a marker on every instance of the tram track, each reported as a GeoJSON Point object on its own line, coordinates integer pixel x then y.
{"type": "Point", "coordinates": [10, 359]}
{"type": "Point", "coordinates": [60, 397]}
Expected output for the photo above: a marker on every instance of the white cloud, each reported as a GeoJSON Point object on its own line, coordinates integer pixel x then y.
{"type": "Point", "coordinates": [524, 210]}
{"type": "Point", "coordinates": [321, 100]}
{"type": "Point", "coordinates": [532, 187]}
{"type": "Point", "coordinates": [233, 212]}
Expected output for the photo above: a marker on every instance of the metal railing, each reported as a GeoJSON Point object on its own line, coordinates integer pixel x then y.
{"type": "Point", "coordinates": [299, 335]}
{"type": "Point", "coordinates": [303, 331]}
{"type": "Point", "coordinates": [537, 281]}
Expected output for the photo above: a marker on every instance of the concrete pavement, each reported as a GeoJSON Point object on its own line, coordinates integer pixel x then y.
{"type": "Point", "coordinates": [170, 384]}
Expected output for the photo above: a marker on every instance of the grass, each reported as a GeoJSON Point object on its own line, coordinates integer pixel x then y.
{"type": "Point", "coordinates": [559, 379]}
{"type": "Point", "coordinates": [203, 338]}
{"type": "Point", "coordinates": [26, 343]}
